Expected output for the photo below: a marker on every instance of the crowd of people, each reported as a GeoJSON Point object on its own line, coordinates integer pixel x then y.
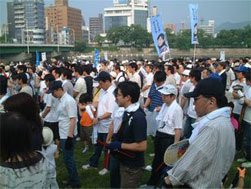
{"type": "Point", "coordinates": [114, 108]}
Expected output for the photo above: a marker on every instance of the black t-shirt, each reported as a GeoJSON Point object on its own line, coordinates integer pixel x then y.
{"type": "Point", "coordinates": [89, 84]}
{"type": "Point", "coordinates": [134, 128]}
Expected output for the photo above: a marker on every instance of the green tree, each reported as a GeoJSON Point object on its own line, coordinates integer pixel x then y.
{"type": "Point", "coordinates": [100, 40]}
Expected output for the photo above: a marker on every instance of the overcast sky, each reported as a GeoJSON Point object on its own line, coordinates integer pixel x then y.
{"type": "Point", "coordinates": [171, 11]}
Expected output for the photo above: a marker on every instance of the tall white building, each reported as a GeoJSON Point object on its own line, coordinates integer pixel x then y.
{"type": "Point", "coordinates": [126, 13]}
{"type": "Point", "coordinates": [209, 28]}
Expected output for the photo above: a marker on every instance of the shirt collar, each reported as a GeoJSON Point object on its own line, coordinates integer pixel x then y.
{"type": "Point", "coordinates": [133, 107]}
{"type": "Point", "coordinates": [202, 122]}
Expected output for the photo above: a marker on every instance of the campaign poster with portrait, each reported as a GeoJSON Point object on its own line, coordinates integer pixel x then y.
{"type": "Point", "coordinates": [193, 9]}
{"type": "Point", "coordinates": [159, 36]}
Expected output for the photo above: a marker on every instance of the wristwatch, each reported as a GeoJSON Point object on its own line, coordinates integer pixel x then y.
{"type": "Point", "coordinates": [99, 119]}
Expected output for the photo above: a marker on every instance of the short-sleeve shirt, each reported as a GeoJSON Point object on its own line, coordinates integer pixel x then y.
{"type": "Point", "coordinates": [67, 109]}
{"type": "Point", "coordinates": [51, 102]}
{"type": "Point", "coordinates": [134, 130]}
{"type": "Point", "coordinates": [106, 104]}
{"type": "Point", "coordinates": [80, 87]}
{"type": "Point", "coordinates": [27, 89]}
{"type": "Point", "coordinates": [156, 98]}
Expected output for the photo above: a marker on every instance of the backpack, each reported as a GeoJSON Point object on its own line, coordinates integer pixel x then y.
{"type": "Point", "coordinates": [124, 75]}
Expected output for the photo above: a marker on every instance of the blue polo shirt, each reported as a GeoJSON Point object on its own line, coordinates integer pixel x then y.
{"type": "Point", "coordinates": [155, 96]}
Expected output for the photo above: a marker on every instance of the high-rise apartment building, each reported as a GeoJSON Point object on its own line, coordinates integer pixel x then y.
{"type": "Point", "coordinates": [126, 13]}
{"type": "Point", "coordinates": [95, 26]}
{"type": "Point", "coordinates": [26, 20]}
{"type": "Point", "coordinates": [209, 28]}
{"type": "Point", "coordinates": [60, 16]}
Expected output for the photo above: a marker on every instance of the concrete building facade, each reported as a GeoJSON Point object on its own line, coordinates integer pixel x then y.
{"type": "Point", "coordinates": [61, 16]}
{"type": "Point", "coordinates": [126, 13]}
{"type": "Point", "coordinates": [95, 26]}
{"type": "Point", "coordinates": [26, 21]}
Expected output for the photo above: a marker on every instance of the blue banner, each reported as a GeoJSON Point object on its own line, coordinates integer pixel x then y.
{"type": "Point", "coordinates": [96, 58]}
{"type": "Point", "coordinates": [159, 36]}
{"type": "Point", "coordinates": [37, 58]}
{"type": "Point", "coordinates": [193, 9]}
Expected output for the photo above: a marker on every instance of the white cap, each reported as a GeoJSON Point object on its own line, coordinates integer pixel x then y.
{"type": "Point", "coordinates": [47, 136]}
{"type": "Point", "coordinates": [168, 89]}
{"type": "Point", "coordinates": [189, 66]}
{"type": "Point", "coordinates": [186, 72]}
{"type": "Point", "coordinates": [113, 74]}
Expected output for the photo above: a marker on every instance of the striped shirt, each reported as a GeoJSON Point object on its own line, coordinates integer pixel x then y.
{"type": "Point", "coordinates": [208, 158]}
{"type": "Point", "coordinates": [155, 96]}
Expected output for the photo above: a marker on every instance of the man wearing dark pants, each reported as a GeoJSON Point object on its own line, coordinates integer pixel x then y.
{"type": "Point", "coordinates": [131, 140]}
{"type": "Point", "coordinates": [105, 108]}
{"type": "Point", "coordinates": [67, 122]}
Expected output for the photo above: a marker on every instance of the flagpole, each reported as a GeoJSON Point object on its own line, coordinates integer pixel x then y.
{"type": "Point", "coordinates": [194, 50]}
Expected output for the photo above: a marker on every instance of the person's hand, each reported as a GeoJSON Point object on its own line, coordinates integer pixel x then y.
{"type": "Point", "coordinates": [95, 121]}
{"type": "Point", "coordinates": [242, 172]}
{"type": "Point", "coordinates": [167, 181]}
{"type": "Point", "coordinates": [69, 143]}
{"type": "Point", "coordinates": [157, 109]}
{"type": "Point", "coordinates": [116, 145]}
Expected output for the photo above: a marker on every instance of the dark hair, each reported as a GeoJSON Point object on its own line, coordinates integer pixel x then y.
{"type": "Point", "coordinates": [16, 137]}
{"type": "Point", "coordinates": [23, 68]}
{"type": "Point", "coordinates": [161, 35]}
{"type": "Point", "coordinates": [159, 76]}
{"type": "Point", "coordinates": [22, 77]}
{"type": "Point", "coordinates": [115, 92]}
{"type": "Point", "coordinates": [49, 77]}
{"type": "Point", "coordinates": [171, 68]}
{"type": "Point", "coordinates": [57, 70]}
{"type": "Point", "coordinates": [79, 69]}
{"type": "Point", "coordinates": [221, 101]}
{"type": "Point", "coordinates": [25, 105]}
{"type": "Point", "coordinates": [67, 73]}
{"type": "Point", "coordinates": [84, 98]}
{"type": "Point", "coordinates": [87, 68]}
{"type": "Point", "coordinates": [3, 85]}
{"type": "Point", "coordinates": [129, 88]}
{"type": "Point", "coordinates": [133, 65]}
{"type": "Point", "coordinates": [248, 75]}
{"type": "Point", "coordinates": [116, 67]}
{"type": "Point", "coordinates": [196, 73]}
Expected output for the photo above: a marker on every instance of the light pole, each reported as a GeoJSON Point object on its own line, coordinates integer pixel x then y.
{"type": "Point", "coordinates": [58, 38]}
{"type": "Point", "coordinates": [5, 32]}
{"type": "Point", "coordinates": [27, 37]}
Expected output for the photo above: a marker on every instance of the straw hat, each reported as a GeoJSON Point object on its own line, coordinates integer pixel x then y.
{"type": "Point", "coordinates": [47, 136]}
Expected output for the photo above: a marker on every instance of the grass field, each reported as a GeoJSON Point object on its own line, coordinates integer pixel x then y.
{"type": "Point", "coordinates": [91, 178]}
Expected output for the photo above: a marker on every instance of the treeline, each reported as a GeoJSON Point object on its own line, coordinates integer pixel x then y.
{"type": "Point", "coordinates": [135, 36]}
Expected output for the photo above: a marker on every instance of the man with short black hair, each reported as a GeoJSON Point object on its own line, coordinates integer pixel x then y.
{"type": "Point", "coordinates": [22, 81]}
{"type": "Point", "coordinates": [106, 105]}
{"type": "Point", "coordinates": [67, 124]}
{"type": "Point", "coordinates": [131, 137]}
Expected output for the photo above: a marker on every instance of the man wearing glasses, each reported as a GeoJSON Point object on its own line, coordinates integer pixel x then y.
{"type": "Point", "coordinates": [212, 144]}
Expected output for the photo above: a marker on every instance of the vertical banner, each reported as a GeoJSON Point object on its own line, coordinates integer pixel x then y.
{"type": "Point", "coordinates": [43, 55]}
{"type": "Point", "coordinates": [96, 58]}
{"type": "Point", "coordinates": [222, 56]}
{"type": "Point", "coordinates": [159, 36]}
{"type": "Point", "coordinates": [105, 55]}
{"type": "Point", "coordinates": [193, 9]}
{"type": "Point", "coordinates": [37, 58]}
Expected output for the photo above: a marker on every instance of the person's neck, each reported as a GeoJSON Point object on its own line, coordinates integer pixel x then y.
{"type": "Point", "coordinates": [23, 84]}
{"type": "Point", "coordinates": [127, 105]}
{"type": "Point", "coordinates": [241, 79]}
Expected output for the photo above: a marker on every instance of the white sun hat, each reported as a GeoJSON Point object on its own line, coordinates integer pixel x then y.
{"type": "Point", "coordinates": [47, 136]}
